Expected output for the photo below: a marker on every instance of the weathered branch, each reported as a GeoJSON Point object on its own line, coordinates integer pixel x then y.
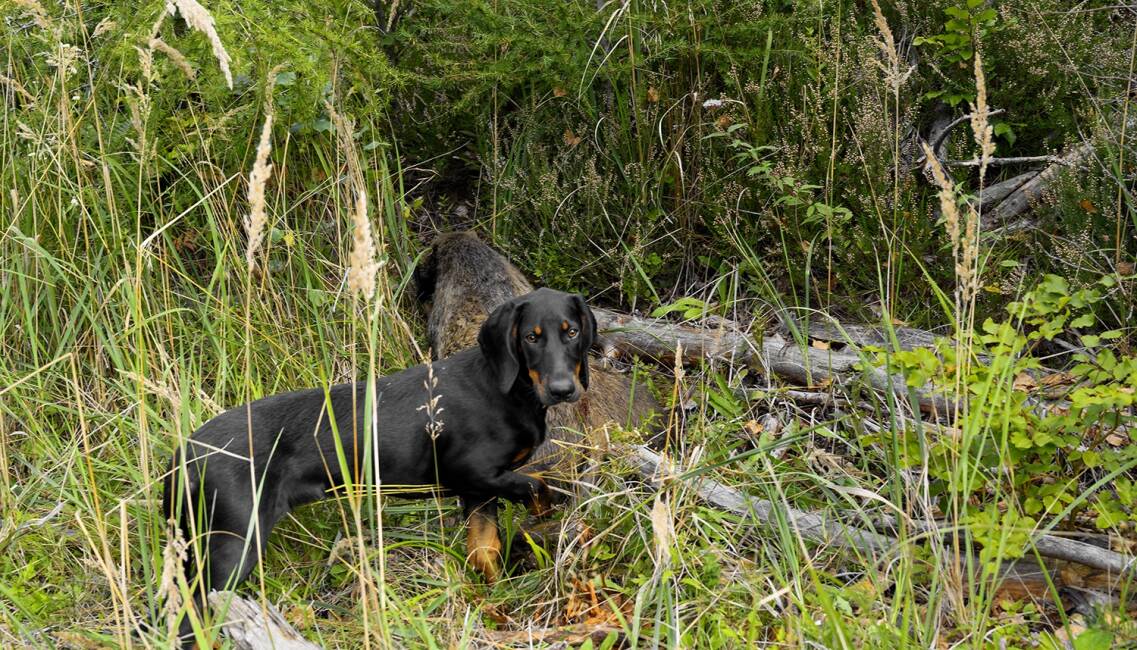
{"type": "Point", "coordinates": [253, 627]}
{"type": "Point", "coordinates": [804, 365]}
{"type": "Point", "coordinates": [809, 525]}
{"type": "Point", "coordinates": [830, 331]}
{"type": "Point", "coordinates": [816, 528]}
{"type": "Point", "coordinates": [938, 137]}
{"type": "Point", "coordinates": [993, 194]}
{"type": "Point", "coordinates": [561, 636]}
{"type": "Point", "coordinates": [1021, 199]}
{"type": "Point", "coordinates": [1031, 190]}
{"type": "Point", "coordinates": [1049, 546]}
{"type": "Point", "coordinates": [1008, 160]}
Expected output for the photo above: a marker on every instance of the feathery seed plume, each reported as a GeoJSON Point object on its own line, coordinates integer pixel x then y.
{"type": "Point", "coordinates": [980, 128]}
{"type": "Point", "coordinates": [257, 219]}
{"type": "Point", "coordinates": [174, 55]}
{"type": "Point", "coordinates": [197, 17]}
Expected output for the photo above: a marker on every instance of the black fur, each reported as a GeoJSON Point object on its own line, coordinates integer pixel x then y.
{"type": "Point", "coordinates": [491, 412]}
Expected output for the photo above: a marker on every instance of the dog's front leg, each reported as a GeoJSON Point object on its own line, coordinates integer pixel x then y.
{"type": "Point", "coordinates": [518, 487]}
{"type": "Point", "coordinates": [483, 545]}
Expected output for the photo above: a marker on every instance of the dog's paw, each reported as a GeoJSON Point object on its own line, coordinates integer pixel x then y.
{"type": "Point", "coordinates": [487, 561]}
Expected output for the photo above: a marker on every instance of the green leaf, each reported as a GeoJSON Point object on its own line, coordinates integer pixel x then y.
{"type": "Point", "coordinates": [1004, 130]}
{"type": "Point", "coordinates": [1094, 639]}
{"type": "Point", "coordinates": [1085, 320]}
{"type": "Point", "coordinates": [687, 305]}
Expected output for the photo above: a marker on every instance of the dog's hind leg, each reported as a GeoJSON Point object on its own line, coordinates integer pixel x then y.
{"type": "Point", "coordinates": [233, 545]}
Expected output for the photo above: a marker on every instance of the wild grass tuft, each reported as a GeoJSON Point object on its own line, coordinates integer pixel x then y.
{"type": "Point", "coordinates": [759, 159]}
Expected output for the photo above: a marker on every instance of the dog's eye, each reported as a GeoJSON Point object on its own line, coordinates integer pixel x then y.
{"type": "Point", "coordinates": [531, 337]}
{"type": "Point", "coordinates": [572, 333]}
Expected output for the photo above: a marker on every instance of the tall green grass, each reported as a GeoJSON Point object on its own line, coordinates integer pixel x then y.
{"type": "Point", "coordinates": [131, 314]}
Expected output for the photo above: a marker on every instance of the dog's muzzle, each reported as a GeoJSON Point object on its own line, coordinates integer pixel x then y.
{"type": "Point", "coordinates": [564, 390]}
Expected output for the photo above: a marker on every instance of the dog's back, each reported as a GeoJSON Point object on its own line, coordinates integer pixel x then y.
{"type": "Point", "coordinates": [463, 279]}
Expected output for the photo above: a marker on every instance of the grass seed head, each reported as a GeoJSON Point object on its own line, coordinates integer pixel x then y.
{"type": "Point", "coordinates": [175, 56]}
{"type": "Point", "coordinates": [197, 17]}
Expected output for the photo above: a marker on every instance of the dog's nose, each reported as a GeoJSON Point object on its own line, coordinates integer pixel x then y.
{"type": "Point", "coordinates": [563, 390]}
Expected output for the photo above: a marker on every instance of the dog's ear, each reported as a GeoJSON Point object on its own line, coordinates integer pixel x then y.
{"type": "Point", "coordinates": [499, 344]}
{"type": "Point", "coordinates": [587, 335]}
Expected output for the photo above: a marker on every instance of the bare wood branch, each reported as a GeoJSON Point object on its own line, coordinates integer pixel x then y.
{"type": "Point", "coordinates": [995, 193]}
{"type": "Point", "coordinates": [1020, 201]}
{"type": "Point", "coordinates": [251, 626]}
{"type": "Point", "coordinates": [1050, 546]}
{"type": "Point", "coordinates": [1097, 557]}
{"type": "Point", "coordinates": [829, 330]}
{"type": "Point", "coordinates": [773, 355]}
{"type": "Point", "coordinates": [814, 527]}
{"type": "Point", "coordinates": [1030, 191]}
{"type": "Point", "coordinates": [1010, 160]}
{"type": "Point", "coordinates": [809, 525]}
{"type": "Point", "coordinates": [938, 137]}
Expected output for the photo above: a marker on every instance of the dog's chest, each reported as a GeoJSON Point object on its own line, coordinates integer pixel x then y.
{"type": "Point", "coordinates": [527, 440]}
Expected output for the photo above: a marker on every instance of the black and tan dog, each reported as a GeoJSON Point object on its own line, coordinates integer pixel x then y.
{"type": "Point", "coordinates": [531, 354]}
{"type": "Point", "coordinates": [462, 280]}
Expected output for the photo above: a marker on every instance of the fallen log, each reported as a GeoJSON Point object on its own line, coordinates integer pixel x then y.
{"type": "Point", "coordinates": [811, 526]}
{"type": "Point", "coordinates": [816, 528]}
{"type": "Point", "coordinates": [773, 355]}
{"type": "Point", "coordinates": [830, 331]}
{"type": "Point", "coordinates": [252, 626]}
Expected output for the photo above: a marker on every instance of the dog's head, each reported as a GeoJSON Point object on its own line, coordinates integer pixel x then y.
{"type": "Point", "coordinates": [542, 339]}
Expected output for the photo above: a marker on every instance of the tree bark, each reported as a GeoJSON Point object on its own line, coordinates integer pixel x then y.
{"type": "Point", "coordinates": [816, 528]}
{"type": "Point", "coordinates": [773, 355]}
{"type": "Point", "coordinates": [809, 525]}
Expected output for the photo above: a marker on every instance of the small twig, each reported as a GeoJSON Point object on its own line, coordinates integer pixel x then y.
{"type": "Point", "coordinates": [939, 138]}
{"type": "Point", "coordinates": [30, 525]}
{"type": "Point", "coordinates": [572, 634]}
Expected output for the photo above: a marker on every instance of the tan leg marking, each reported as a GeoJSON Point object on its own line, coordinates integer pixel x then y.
{"type": "Point", "coordinates": [483, 546]}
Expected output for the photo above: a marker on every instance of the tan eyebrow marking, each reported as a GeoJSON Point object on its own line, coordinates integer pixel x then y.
{"type": "Point", "coordinates": [537, 330]}
{"type": "Point", "coordinates": [564, 325]}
